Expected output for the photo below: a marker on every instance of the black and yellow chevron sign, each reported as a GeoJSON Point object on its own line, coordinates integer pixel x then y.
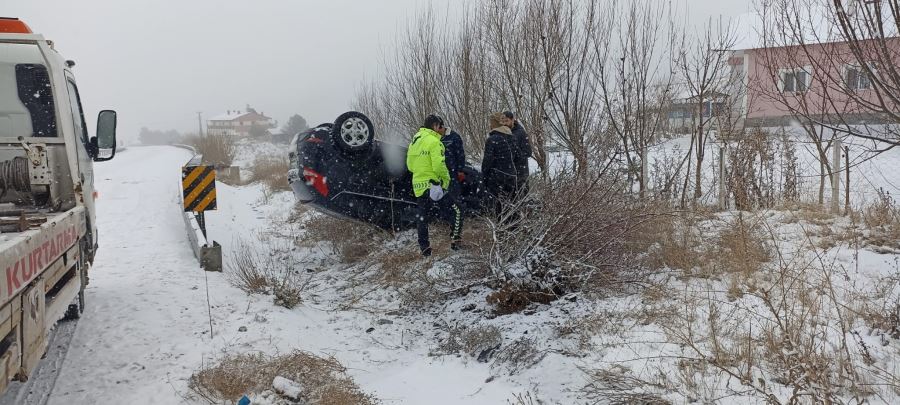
{"type": "Point", "coordinates": [198, 184]}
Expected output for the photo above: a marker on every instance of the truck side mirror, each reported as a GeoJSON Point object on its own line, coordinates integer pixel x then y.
{"type": "Point", "coordinates": [103, 146]}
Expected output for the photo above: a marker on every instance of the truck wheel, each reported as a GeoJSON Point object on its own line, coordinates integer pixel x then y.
{"type": "Point", "coordinates": [353, 132]}
{"type": "Point", "coordinates": [72, 313]}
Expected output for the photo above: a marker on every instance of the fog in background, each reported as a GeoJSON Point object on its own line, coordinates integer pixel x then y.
{"type": "Point", "coordinates": [160, 62]}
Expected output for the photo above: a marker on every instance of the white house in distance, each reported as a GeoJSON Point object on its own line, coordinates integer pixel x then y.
{"type": "Point", "coordinates": [239, 123]}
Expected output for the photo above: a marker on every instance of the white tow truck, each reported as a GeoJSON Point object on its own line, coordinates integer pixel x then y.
{"type": "Point", "coordinates": [48, 233]}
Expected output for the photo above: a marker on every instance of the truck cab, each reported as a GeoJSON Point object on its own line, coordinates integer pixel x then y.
{"type": "Point", "coordinates": [48, 231]}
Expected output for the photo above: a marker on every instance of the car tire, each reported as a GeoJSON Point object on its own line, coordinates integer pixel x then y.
{"type": "Point", "coordinates": [353, 133]}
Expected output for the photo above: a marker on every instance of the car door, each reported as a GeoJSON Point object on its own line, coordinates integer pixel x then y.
{"type": "Point", "coordinates": [85, 162]}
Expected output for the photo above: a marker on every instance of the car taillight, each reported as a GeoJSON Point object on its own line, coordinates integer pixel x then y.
{"type": "Point", "coordinates": [316, 180]}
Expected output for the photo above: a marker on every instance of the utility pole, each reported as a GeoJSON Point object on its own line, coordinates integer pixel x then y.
{"type": "Point", "coordinates": [836, 178]}
{"type": "Point", "coordinates": [200, 123]}
{"type": "Point", "coordinates": [723, 199]}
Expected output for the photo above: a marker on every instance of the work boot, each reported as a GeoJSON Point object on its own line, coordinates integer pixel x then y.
{"type": "Point", "coordinates": [426, 252]}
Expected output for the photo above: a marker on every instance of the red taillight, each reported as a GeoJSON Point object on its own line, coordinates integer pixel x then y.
{"type": "Point", "coordinates": [314, 139]}
{"type": "Point", "coordinates": [13, 26]}
{"type": "Point", "coordinates": [316, 180]}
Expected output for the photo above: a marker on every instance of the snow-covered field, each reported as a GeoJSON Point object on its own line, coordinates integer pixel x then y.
{"type": "Point", "coordinates": [146, 328]}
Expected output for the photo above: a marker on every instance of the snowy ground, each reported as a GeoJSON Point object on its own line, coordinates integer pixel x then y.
{"type": "Point", "coordinates": [146, 328]}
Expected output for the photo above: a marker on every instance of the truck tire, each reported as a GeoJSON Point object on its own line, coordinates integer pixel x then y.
{"type": "Point", "coordinates": [73, 312]}
{"type": "Point", "coordinates": [353, 133]}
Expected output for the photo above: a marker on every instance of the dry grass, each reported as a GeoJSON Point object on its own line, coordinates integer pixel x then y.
{"type": "Point", "coordinates": [525, 398]}
{"type": "Point", "coordinates": [883, 221]}
{"type": "Point", "coordinates": [618, 385]}
{"type": "Point", "coordinates": [762, 318]}
{"type": "Point", "coordinates": [883, 213]}
{"type": "Point", "coordinates": [520, 355]}
{"type": "Point", "coordinates": [260, 268]}
{"type": "Point", "coordinates": [351, 240]}
{"type": "Point", "coordinates": [480, 341]}
{"type": "Point", "coordinates": [324, 379]}
{"type": "Point", "coordinates": [217, 150]}
{"type": "Point", "coordinates": [397, 266]}
{"type": "Point", "coordinates": [271, 171]}
{"type": "Point", "coordinates": [671, 241]}
{"type": "Point", "coordinates": [518, 295]}
{"type": "Point", "coordinates": [741, 247]}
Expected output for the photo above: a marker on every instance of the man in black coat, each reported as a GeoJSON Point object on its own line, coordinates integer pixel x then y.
{"type": "Point", "coordinates": [499, 164]}
{"type": "Point", "coordinates": [523, 146]}
{"type": "Point", "coordinates": [455, 157]}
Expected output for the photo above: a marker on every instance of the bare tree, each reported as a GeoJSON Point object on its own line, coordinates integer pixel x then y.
{"type": "Point", "coordinates": [635, 76]}
{"type": "Point", "coordinates": [705, 75]}
{"type": "Point", "coordinates": [575, 116]}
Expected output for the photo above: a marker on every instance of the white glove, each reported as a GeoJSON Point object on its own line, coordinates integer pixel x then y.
{"type": "Point", "coordinates": [436, 192]}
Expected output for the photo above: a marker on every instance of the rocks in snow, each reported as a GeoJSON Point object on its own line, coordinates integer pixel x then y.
{"type": "Point", "coordinates": [385, 322]}
{"type": "Point", "coordinates": [260, 319]}
{"type": "Point", "coordinates": [242, 329]}
{"type": "Point", "coordinates": [287, 388]}
{"type": "Point", "coordinates": [487, 354]}
{"type": "Point", "coordinates": [283, 392]}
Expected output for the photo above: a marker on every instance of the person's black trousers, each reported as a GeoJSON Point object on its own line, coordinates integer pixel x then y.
{"type": "Point", "coordinates": [446, 208]}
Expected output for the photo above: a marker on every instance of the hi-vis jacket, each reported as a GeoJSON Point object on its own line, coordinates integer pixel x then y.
{"type": "Point", "coordinates": [425, 159]}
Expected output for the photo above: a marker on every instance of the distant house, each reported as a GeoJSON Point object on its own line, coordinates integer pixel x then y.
{"type": "Point", "coordinates": [685, 110]}
{"type": "Point", "coordinates": [822, 77]}
{"type": "Point", "coordinates": [779, 82]}
{"type": "Point", "coordinates": [240, 123]}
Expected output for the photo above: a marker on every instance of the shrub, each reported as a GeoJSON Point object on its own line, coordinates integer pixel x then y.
{"type": "Point", "coordinates": [479, 341]}
{"type": "Point", "coordinates": [569, 234]}
{"type": "Point", "coordinates": [520, 355]}
{"type": "Point", "coordinates": [217, 150]}
{"type": "Point", "coordinates": [260, 268]}
{"type": "Point", "coordinates": [271, 171]}
{"type": "Point", "coordinates": [741, 246]}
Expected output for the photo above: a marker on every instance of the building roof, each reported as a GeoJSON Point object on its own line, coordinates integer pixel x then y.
{"type": "Point", "coordinates": [240, 116]}
{"type": "Point", "coordinates": [229, 116]}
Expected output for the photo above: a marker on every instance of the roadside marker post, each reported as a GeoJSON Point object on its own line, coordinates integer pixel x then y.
{"type": "Point", "coordinates": [198, 186]}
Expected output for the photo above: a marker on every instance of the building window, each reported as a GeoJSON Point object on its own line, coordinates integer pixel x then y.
{"type": "Point", "coordinates": [795, 80]}
{"type": "Point", "coordinates": [856, 78]}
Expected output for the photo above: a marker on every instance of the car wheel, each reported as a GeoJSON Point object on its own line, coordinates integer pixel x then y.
{"type": "Point", "coordinates": [353, 132]}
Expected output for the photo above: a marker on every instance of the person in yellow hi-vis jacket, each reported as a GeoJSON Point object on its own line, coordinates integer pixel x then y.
{"type": "Point", "coordinates": [430, 181]}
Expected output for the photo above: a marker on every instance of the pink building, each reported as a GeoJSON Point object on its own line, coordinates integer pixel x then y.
{"type": "Point", "coordinates": [823, 81]}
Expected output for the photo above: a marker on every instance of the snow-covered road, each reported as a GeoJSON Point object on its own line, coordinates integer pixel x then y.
{"type": "Point", "coordinates": [146, 305]}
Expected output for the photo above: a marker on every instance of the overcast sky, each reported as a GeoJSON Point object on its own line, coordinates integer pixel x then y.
{"type": "Point", "coordinates": [159, 62]}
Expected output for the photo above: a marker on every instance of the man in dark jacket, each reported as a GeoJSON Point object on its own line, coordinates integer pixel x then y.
{"type": "Point", "coordinates": [523, 145]}
{"type": "Point", "coordinates": [499, 163]}
{"type": "Point", "coordinates": [455, 156]}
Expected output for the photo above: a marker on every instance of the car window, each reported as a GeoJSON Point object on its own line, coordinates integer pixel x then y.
{"type": "Point", "coordinates": [33, 90]}
{"type": "Point", "coordinates": [77, 113]}
{"type": "Point", "coordinates": [27, 106]}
